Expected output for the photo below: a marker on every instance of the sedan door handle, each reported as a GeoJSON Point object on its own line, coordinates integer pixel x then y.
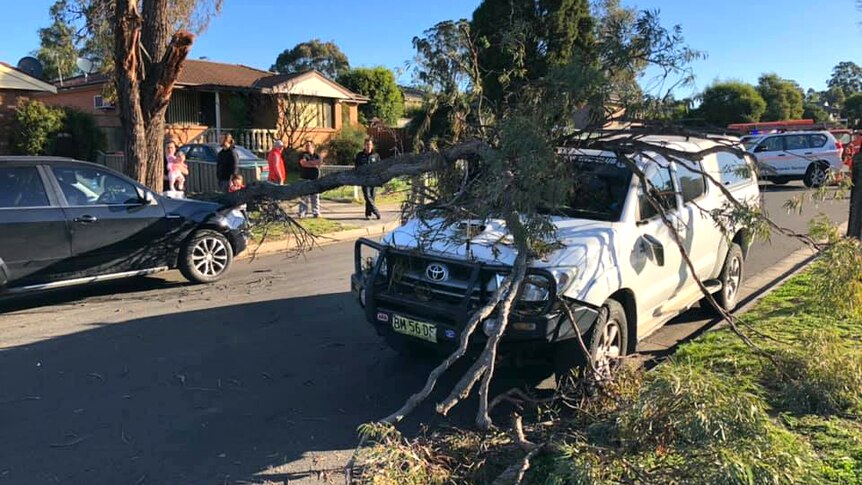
{"type": "Point", "coordinates": [86, 219]}
{"type": "Point", "coordinates": [809, 153]}
{"type": "Point", "coordinates": [782, 155]}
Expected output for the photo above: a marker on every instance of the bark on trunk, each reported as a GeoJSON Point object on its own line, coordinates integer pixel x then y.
{"type": "Point", "coordinates": [854, 225]}
{"type": "Point", "coordinates": [127, 33]}
{"type": "Point", "coordinates": [147, 69]}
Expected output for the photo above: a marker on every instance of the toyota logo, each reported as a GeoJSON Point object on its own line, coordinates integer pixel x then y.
{"type": "Point", "coordinates": [437, 272]}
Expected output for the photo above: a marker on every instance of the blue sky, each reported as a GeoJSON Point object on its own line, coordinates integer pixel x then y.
{"type": "Point", "coordinates": [798, 39]}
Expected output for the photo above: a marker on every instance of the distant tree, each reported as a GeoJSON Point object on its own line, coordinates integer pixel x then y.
{"type": "Point", "coordinates": [814, 111]}
{"type": "Point", "coordinates": [522, 39]}
{"type": "Point", "coordinates": [835, 96]}
{"type": "Point", "coordinates": [846, 75]}
{"type": "Point", "coordinates": [326, 57]}
{"type": "Point", "coordinates": [378, 83]}
{"type": "Point", "coordinates": [784, 98]}
{"type": "Point", "coordinates": [853, 110]}
{"type": "Point", "coordinates": [57, 50]}
{"type": "Point", "coordinates": [731, 102]}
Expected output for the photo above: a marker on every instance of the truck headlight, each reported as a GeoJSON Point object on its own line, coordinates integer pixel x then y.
{"type": "Point", "coordinates": [537, 288]}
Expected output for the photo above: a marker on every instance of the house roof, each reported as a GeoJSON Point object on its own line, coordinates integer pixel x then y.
{"type": "Point", "coordinates": [309, 83]}
{"type": "Point", "coordinates": [413, 93]}
{"type": "Point", "coordinates": [12, 78]}
{"type": "Point", "coordinates": [208, 74]}
{"type": "Point", "coordinates": [218, 74]}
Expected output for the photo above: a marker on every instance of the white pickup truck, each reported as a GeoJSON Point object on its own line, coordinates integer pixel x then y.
{"type": "Point", "coordinates": [618, 266]}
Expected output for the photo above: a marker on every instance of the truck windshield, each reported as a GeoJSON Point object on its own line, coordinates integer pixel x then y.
{"type": "Point", "coordinates": [598, 190]}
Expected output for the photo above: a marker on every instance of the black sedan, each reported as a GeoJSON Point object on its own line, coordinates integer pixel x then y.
{"type": "Point", "coordinates": [65, 222]}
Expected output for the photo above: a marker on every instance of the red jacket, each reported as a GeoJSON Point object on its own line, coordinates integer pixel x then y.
{"type": "Point", "coordinates": [276, 166]}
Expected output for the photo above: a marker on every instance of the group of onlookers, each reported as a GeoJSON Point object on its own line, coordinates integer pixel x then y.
{"type": "Point", "coordinates": [230, 179]}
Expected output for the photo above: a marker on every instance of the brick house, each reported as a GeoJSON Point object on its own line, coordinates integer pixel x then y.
{"type": "Point", "coordinates": [15, 85]}
{"type": "Point", "coordinates": [213, 98]}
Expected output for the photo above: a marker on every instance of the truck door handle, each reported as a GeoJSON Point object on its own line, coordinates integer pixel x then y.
{"type": "Point", "coordinates": [86, 219]}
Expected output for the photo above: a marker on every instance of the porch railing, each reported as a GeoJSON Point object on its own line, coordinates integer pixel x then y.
{"type": "Point", "coordinates": [258, 140]}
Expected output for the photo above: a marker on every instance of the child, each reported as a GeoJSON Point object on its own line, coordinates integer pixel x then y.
{"type": "Point", "coordinates": [236, 183]}
{"type": "Point", "coordinates": [177, 171]}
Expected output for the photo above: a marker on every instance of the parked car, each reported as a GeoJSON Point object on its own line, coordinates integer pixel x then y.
{"type": "Point", "coordinates": [65, 222]}
{"type": "Point", "coordinates": [208, 152]}
{"type": "Point", "coordinates": [797, 155]}
{"type": "Point", "coordinates": [618, 266]}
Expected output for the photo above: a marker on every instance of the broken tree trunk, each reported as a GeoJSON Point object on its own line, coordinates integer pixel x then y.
{"type": "Point", "coordinates": [147, 69]}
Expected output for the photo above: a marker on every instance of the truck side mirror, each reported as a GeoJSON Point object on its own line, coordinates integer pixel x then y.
{"type": "Point", "coordinates": [760, 148]}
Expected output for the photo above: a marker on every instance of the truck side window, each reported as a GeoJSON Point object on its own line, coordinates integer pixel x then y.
{"type": "Point", "coordinates": [692, 183]}
{"type": "Point", "coordinates": [772, 144]}
{"type": "Point", "coordinates": [660, 183]}
{"type": "Point", "coordinates": [732, 170]}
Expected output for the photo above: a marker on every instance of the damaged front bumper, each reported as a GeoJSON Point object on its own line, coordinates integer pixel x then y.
{"type": "Point", "coordinates": [436, 318]}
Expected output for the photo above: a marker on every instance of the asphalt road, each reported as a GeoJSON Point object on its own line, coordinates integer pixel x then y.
{"type": "Point", "coordinates": [261, 378]}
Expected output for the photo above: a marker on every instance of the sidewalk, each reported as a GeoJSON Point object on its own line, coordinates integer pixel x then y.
{"type": "Point", "coordinates": [346, 213]}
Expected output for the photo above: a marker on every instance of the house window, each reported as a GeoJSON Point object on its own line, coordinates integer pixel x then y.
{"type": "Point", "coordinates": [184, 108]}
{"type": "Point", "coordinates": [316, 112]}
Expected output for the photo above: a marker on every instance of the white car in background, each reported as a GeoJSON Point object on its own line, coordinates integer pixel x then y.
{"type": "Point", "coordinates": [796, 155]}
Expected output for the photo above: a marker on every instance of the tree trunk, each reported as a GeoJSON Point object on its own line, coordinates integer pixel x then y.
{"type": "Point", "coordinates": [127, 33]}
{"type": "Point", "coordinates": [147, 69]}
{"type": "Point", "coordinates": [854, 226]}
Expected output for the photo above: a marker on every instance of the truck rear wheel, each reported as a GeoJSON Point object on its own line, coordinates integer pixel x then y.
{"type": "Point", "coordinates": [816, 175]}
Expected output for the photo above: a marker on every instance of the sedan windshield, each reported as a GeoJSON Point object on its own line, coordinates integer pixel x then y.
{"type": "Point", "coordinates": [598, 190]}
{"type": "Point", "coordinates": [750, 142]}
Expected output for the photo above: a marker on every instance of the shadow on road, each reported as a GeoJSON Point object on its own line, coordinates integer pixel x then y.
{"type": "Point", "coordinates": [200, 397]}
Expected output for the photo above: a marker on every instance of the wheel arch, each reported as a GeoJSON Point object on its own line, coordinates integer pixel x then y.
{"type": "Point", "coordinates": [626, 298]}
{"type": "Point", "coordinates": [743, 239]}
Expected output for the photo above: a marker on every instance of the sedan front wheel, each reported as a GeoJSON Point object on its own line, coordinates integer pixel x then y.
{"type": "Point", "coordinates": [206, 257]}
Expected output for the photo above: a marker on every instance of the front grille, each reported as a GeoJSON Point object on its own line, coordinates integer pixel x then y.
{"type": "Point", "coordinates": [408, 276]}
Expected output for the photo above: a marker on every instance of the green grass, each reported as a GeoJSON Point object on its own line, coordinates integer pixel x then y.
{"type": "Point", "coordinates": [276, 231]}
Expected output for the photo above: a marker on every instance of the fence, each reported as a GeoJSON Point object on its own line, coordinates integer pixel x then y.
{"type": "Point", "coordinates": [201, 178]}
{"type": "Point", "coordinates": [330, 169]}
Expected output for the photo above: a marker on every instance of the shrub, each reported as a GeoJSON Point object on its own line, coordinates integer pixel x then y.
{"type": "Point", "coordinates": [89, 138]}
{"type": "Point", "coordinates": [821, 377]}
{"type": "Point", "coordinates": [345, 145]}
{"type": "Point", "coordinates": [34, 127]}
{"type": "Point", "coordinates": [836, 278]}
{"type": "Point", "coordinates": [39, 129]}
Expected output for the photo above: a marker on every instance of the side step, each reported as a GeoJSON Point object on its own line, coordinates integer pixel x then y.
{"type": "Point", "coordinates": [713, 285]}
{"type": "Point", "coordinates": [83, 281]}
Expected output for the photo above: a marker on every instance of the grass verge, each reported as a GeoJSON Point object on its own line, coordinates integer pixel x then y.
{"type": "Point", "coordinates": [719, 412]}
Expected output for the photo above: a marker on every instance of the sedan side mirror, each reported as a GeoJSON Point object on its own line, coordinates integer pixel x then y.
{"type": "Point", "coordinates": [653, 248]}
{"type": "Point", "coordinates": [148, 198]}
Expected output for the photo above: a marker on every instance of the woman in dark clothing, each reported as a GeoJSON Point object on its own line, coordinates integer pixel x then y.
{"type": "Point", "coordinates": [227, 163]}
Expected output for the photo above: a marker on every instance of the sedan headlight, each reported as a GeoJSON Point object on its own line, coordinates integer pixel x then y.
{"type": "Point", "coordinates": [234, 219]}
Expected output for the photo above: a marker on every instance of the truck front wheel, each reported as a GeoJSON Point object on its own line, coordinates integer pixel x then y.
{"type": "Point", "coordinates": [606, 342]}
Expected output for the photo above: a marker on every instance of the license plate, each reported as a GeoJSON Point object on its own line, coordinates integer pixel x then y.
{"type": "Point", "coordinates": [420, 330]}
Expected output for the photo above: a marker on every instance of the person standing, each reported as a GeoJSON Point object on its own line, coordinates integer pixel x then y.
{"type": "Point", "coordinates": [309, 169]}
{"type": "Point", "coordinates": [227, 163]}
{"type": "Point", "coordinates": [366, 157]}
{"type": "Point", "coordinates": [276, 163]}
